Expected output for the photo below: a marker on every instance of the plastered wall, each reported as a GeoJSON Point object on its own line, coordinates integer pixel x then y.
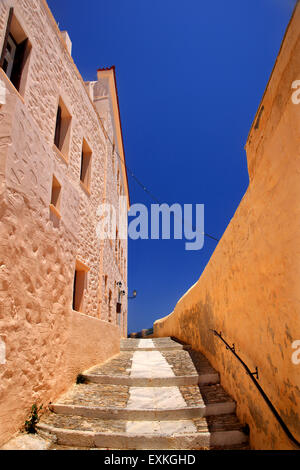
{"type": "Point", "coordinates": [47, 343]}
{"type": "Point", "coordinates": [250, 289]}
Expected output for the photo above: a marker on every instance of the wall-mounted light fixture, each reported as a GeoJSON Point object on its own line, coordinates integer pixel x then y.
{"type": "Point", "coordinates": [134, 294]}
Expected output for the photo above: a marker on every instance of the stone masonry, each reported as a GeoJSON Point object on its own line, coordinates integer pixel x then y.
{"type": "Point", "coordinates": [151, 396]}
{"type": "Point", "coordinates": [57, 165]}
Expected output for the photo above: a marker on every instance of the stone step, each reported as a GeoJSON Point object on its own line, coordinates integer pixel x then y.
{"type": "Point", "coordinates": [196, 433]}
{"type": "Point", "coordinates": [155, 394]}
{"type": "Point", "coordinates": [176, 381]}
{"type": "Point", "coordinates": [166, 414]}
{"type": "Point", "coordinates": [154, 368]}
{"type": "Point", "coordinates": [168, 347]}
{"type": "Point", "coordinates": [159, 344]}
{"type": "Point", "coordinates": [140, 403]}
{"type": "Point", "coordinates": [54, 446]}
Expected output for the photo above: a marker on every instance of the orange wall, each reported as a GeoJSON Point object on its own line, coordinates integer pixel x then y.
{"type": "Point", "coordinates": [250, 289]}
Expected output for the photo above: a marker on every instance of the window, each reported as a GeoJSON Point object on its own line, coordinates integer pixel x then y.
{"type": "Point", "coordinates": [113, 156]}
{"type": "Point", "coordinates": [116, 243]}
{"type": "Point", "coordinates": [9, 57]}
{"type": "Point", "coordinates": [105, 287]}
{"type": "Point", "coordinates": [55, 197]}
{"type": "Point", "coordinates": [112, 222]}
{"type": "Point", "coordinates": [86, 164]}
{"type": "Point", "coordinates": [62, 129]}
{"type": "Point", "coordinates": [15, 53]}
{"type": "Point", "coordinates": [118, 182]}
{"type": "Point", "coordinates": [80, 285]}
{"type": "Point", "coordinates": [109, 305]}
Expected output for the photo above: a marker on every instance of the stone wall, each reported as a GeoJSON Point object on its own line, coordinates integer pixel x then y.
{"type": "Point", "coordinates": [47, 343]}
{"type": "Point", "coordinates": [250, 288]}
{"type": "Point", "coordinates": [114, 171]}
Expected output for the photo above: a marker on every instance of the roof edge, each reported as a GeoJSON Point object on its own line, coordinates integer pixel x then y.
{"type": "Point", "coordinates": [113, 70]}
{"type": "Point", "coordinates": [272, 72]}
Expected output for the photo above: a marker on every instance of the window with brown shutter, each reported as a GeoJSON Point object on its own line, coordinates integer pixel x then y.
{"type": "Point", "coordinates": [4, 59]}
{"type": "Point", "coordinates": [9, 57]}
{"type": "Point", "coordinates": [86, 164]}
{"type": "Point", "coordinates": [62, 135]}
{"type": "Point", "coordinates": [15, 53]}
{"type": "Point", "coordinates": [55, 198]}
{"type": "Point", "coordinates": [57, 127]}
{"type": "Point", "coordinates": [79, 286]}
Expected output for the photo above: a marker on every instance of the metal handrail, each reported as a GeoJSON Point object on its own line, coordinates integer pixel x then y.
{"type": "Point", "coordinates": [257, 385]}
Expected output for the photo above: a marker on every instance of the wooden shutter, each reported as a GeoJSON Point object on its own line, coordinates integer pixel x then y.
{"type": "Point", "coordinates": [119, 307]}
{"type": "Point", "coordinates": [19, 63]}
{"type": "Point", "coordinates": [74, 291]}
{"type": "Point", "coordinates": [81, 170]}
{"type": "Point", "coordinates": [58, 127]}
{"type": "Point", "coordinates": [10, 15]}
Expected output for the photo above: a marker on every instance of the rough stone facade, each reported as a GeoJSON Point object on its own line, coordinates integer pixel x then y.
{"type": "Point", "coordinates": [250, 288]}
{"type": "Point", "coordinates": [46, 342]}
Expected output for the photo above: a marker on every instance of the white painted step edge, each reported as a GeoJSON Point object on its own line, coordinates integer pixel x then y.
{"type": "Point", "coordinates": [155, 381]}
{"type": "Point", "coordinates": [145, 414]}
{"type": "Point", "coordinates": [143, 441]}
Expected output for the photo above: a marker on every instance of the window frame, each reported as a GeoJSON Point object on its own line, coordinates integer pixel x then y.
{"type": "Point", "coordinates": [17, 66]}
{"type": "Point", "coordinates": [86, 166]}
{"type": "Point", "coordinates": [9, 60]}
{"type": "Point", "coordinates": [56, 192]}
{"type": "Point", "coordinates": [79, 290]}
{"type": "Point", "coordinates": [8, 26]}
{"type": "Point", "coordinates": [63, 130]}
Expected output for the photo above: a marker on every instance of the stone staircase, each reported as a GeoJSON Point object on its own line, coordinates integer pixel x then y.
{"type": "Point", "coordinates": [156, 394]}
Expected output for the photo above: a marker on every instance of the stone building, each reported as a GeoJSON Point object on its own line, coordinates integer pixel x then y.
{"type": "Point", "coordinates": [250, 291]}
{"type": "Point", "coordinates": [61, 157]}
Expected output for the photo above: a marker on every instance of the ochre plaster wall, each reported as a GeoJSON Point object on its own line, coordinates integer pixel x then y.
{"type": "Point", "coordinates": [250, 289]}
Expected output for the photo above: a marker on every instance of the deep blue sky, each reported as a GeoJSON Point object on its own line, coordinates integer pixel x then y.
{"type": "Point", "coordinates": [190, 77]}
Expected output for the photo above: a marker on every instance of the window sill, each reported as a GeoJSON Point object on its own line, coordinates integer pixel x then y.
{"type": "Point", "coordinates": [85, 188]}
{"type": "Point", "coordinates": [61, 155]}
{"type": "Point", "coordinates": [10, 84]}
{"type": "Point", "coordinates": [78, 311]}
{"type": "Point", "coordinates": [55, 211]}
{"type": "Point", "coordinates": [80, 266]}
{"type": "Point", "coordinates": [86, 315]}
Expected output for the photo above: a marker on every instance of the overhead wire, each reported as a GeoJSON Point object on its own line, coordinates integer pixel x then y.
{"type": "Point", "coordinates": [137, 180]}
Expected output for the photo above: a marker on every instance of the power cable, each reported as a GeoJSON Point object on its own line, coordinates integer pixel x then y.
{"type": "Point", "coordinates": [136, 179]}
